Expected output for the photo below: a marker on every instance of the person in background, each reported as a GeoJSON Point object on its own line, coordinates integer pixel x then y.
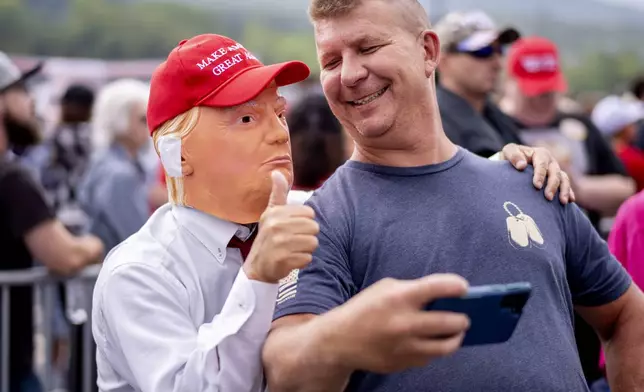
{"type": "Point", "coordinates": [20, 120]}
{"type": "Point", "coordinates": [636, 94]}
{"type": "Point", "coordinates": [69, 149]}
{"type": "Point", "coordinates": [29, 229]}
{"type": "Point", "coordinates": [64, 158]}
{"type": "Point", "coordinates": [114, 192]}
{"type": "Point", "coordinates": [317, 141]}
{"type": "Point", "coordinates": [472, 49]}
{"type": "Point", "coordinates": [618, 119]}
{"type": "Point", "coordinates": [535, 81]}
{"type": "Point", "coordinates": [626, 242]}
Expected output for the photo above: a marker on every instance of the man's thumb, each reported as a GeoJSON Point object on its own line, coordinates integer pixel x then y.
{"type": "Point", "coordinates": [279, 191]}
{"type": "Point", "coordinates": [435, 286]}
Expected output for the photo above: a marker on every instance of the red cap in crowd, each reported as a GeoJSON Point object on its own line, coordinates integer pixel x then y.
{"type": "Point", "coordinates": [534, 63]}
{"type": "Point", "coordinates": [212, 70]}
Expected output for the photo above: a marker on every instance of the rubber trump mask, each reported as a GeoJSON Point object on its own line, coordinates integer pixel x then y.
{"type": "Point", "coordinates": [218, 124]}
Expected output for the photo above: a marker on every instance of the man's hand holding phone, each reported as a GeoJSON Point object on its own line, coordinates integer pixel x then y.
{"type": "Point", "coordinates": [385, 328]}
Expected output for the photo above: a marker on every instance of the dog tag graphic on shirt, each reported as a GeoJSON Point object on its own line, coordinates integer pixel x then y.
{"type": "Point", "coordinates": [517, 231]}
{"type": "Point", "coordinates": [522, 229]}
{"type": "Point", "coordinates": [533, 231]}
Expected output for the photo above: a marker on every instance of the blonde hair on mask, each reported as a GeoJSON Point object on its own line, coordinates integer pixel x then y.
{"type": "Point", "coordinates": [180, 126]}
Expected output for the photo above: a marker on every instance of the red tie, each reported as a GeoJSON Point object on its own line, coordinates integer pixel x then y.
{"type": "Point", "coordinates": [243, 246]}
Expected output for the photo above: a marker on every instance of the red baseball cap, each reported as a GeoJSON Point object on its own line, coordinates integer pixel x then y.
{"type": "Point", "coordinates": [215, 71]}
{"type": "Point", "coordinates": [534, 63]}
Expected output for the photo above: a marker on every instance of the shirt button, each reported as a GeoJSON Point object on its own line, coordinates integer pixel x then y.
{"type": "Point", "coordinates": [243, 306]}
{"type": "Point", "coordinates": [220, 254]}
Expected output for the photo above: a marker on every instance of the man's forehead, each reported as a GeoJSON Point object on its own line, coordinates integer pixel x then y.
{"type": "Point", "coordinates": [328, 37]}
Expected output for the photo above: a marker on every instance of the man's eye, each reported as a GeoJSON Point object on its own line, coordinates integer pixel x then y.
{"type": "Point", "coordinates": [246, 119]}
{"type": "Point", "coordinates": [370, 49]}
{"type": "Point", "coordinates": [331, 64]}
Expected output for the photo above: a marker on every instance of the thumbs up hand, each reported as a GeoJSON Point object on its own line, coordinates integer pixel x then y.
{"type": "Point", "coordinates": [279, 192]}
{"type": "Point", "coordinates": [286, 238]}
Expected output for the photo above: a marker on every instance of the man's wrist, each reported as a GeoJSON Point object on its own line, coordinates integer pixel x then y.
{"type": "Point", "coordinates": [251, 274]}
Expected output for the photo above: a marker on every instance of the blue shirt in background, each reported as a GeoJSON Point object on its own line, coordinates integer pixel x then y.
{"type": "Point", "coordinates": [114, 194]}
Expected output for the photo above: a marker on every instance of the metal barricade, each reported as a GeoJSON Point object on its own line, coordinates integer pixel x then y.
{"type": "Point", "coordinates": [44, 285]}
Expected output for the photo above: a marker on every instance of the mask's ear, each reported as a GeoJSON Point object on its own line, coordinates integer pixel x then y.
{"type": "Point", "coordinates": [170, 154]}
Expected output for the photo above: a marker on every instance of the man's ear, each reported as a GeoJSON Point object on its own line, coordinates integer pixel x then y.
{"type": "Point", "coordinates": [432, 52]}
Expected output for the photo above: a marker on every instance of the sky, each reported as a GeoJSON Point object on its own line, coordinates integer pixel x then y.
{"type": "Point", "coordinates": [639, 4]}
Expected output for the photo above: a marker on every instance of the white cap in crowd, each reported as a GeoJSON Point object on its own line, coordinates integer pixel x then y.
{"type": "Point", "coordinates": [612, 114]}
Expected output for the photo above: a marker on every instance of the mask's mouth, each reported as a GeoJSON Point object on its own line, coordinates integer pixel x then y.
{"type": "Point", "coordinates": [369, 98]}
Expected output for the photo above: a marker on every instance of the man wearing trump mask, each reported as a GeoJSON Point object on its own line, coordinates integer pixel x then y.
{"type": "Point", "coordinates": [180, 305]}
{"type": "Point", "coordinates": [186, 303]}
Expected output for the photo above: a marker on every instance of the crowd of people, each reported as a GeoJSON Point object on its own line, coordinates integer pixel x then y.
{"type": "Point", "coordinates": [390, 151]}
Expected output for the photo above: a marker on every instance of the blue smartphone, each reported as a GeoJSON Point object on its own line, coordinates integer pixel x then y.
{"type": "Point", "coordinates": [494, 311]}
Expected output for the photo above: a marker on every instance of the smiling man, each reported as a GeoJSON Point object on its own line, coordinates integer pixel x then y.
{"type": "Point", "coordinates": [409, 207]}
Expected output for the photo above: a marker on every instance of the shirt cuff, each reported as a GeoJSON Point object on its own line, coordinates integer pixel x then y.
{"type": "Point", "coordinates": [250, 305]}
{"type": "Point", "coordinates": [248, 310]}
{"type": "Point", "coordinates": [265, 297]}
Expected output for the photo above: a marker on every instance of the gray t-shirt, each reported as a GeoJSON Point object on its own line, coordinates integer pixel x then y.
{"type": "Point", "coordinates": [478, 218]}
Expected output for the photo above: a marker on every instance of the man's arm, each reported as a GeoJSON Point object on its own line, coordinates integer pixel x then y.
{"type": "Point", "coordinates": [383, 329]}
{"type": "Point", "coordinates": [54, 246]}
{"type": "Point", "coordinates": [620, 326]}
{"type": "Point", "coordinates": [299, 355]}
{"type": "Point", "coordinates": [604, 295]}
{"type": "Point", "coordinates": [148, 332]}
{"type": "Point", "coordinates": [47, 239]}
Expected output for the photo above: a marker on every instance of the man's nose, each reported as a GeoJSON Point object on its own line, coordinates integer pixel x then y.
{"type": "Point", "coordinates": [353, 71]}
{"type": "Point", "coordinates": [278, 133]}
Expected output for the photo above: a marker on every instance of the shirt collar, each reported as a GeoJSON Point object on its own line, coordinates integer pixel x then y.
{"type": "Point", "coordinates": [214, 233]}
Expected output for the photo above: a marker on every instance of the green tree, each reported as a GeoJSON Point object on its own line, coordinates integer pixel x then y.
{"type": "Point", "coordinates": [117, 30]}
{"type": "Point", "coordinates": [609, 72]}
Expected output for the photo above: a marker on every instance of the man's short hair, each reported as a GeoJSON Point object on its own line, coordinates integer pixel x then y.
{"type": "Point", "coordinates": [78, 94]}
{"type": "Point", "coordinates": [415, 15]}
{"type": "Point", "coordinates": [637, 87]}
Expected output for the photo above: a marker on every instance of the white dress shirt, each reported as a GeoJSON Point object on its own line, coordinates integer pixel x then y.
{"type": "Point", "coordinates": [174, 311]}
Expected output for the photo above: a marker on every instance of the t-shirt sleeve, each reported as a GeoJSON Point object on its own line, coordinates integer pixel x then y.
{"type": "Point", "coordinates": [327, 281]}
{"type": "Point", "coordinates": [595, 277]}
{"type": "Point", "coordinates": [23, 202]}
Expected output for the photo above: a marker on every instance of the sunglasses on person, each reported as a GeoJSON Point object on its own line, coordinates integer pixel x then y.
{"type": "Point", "coordinates": [485, 52]}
